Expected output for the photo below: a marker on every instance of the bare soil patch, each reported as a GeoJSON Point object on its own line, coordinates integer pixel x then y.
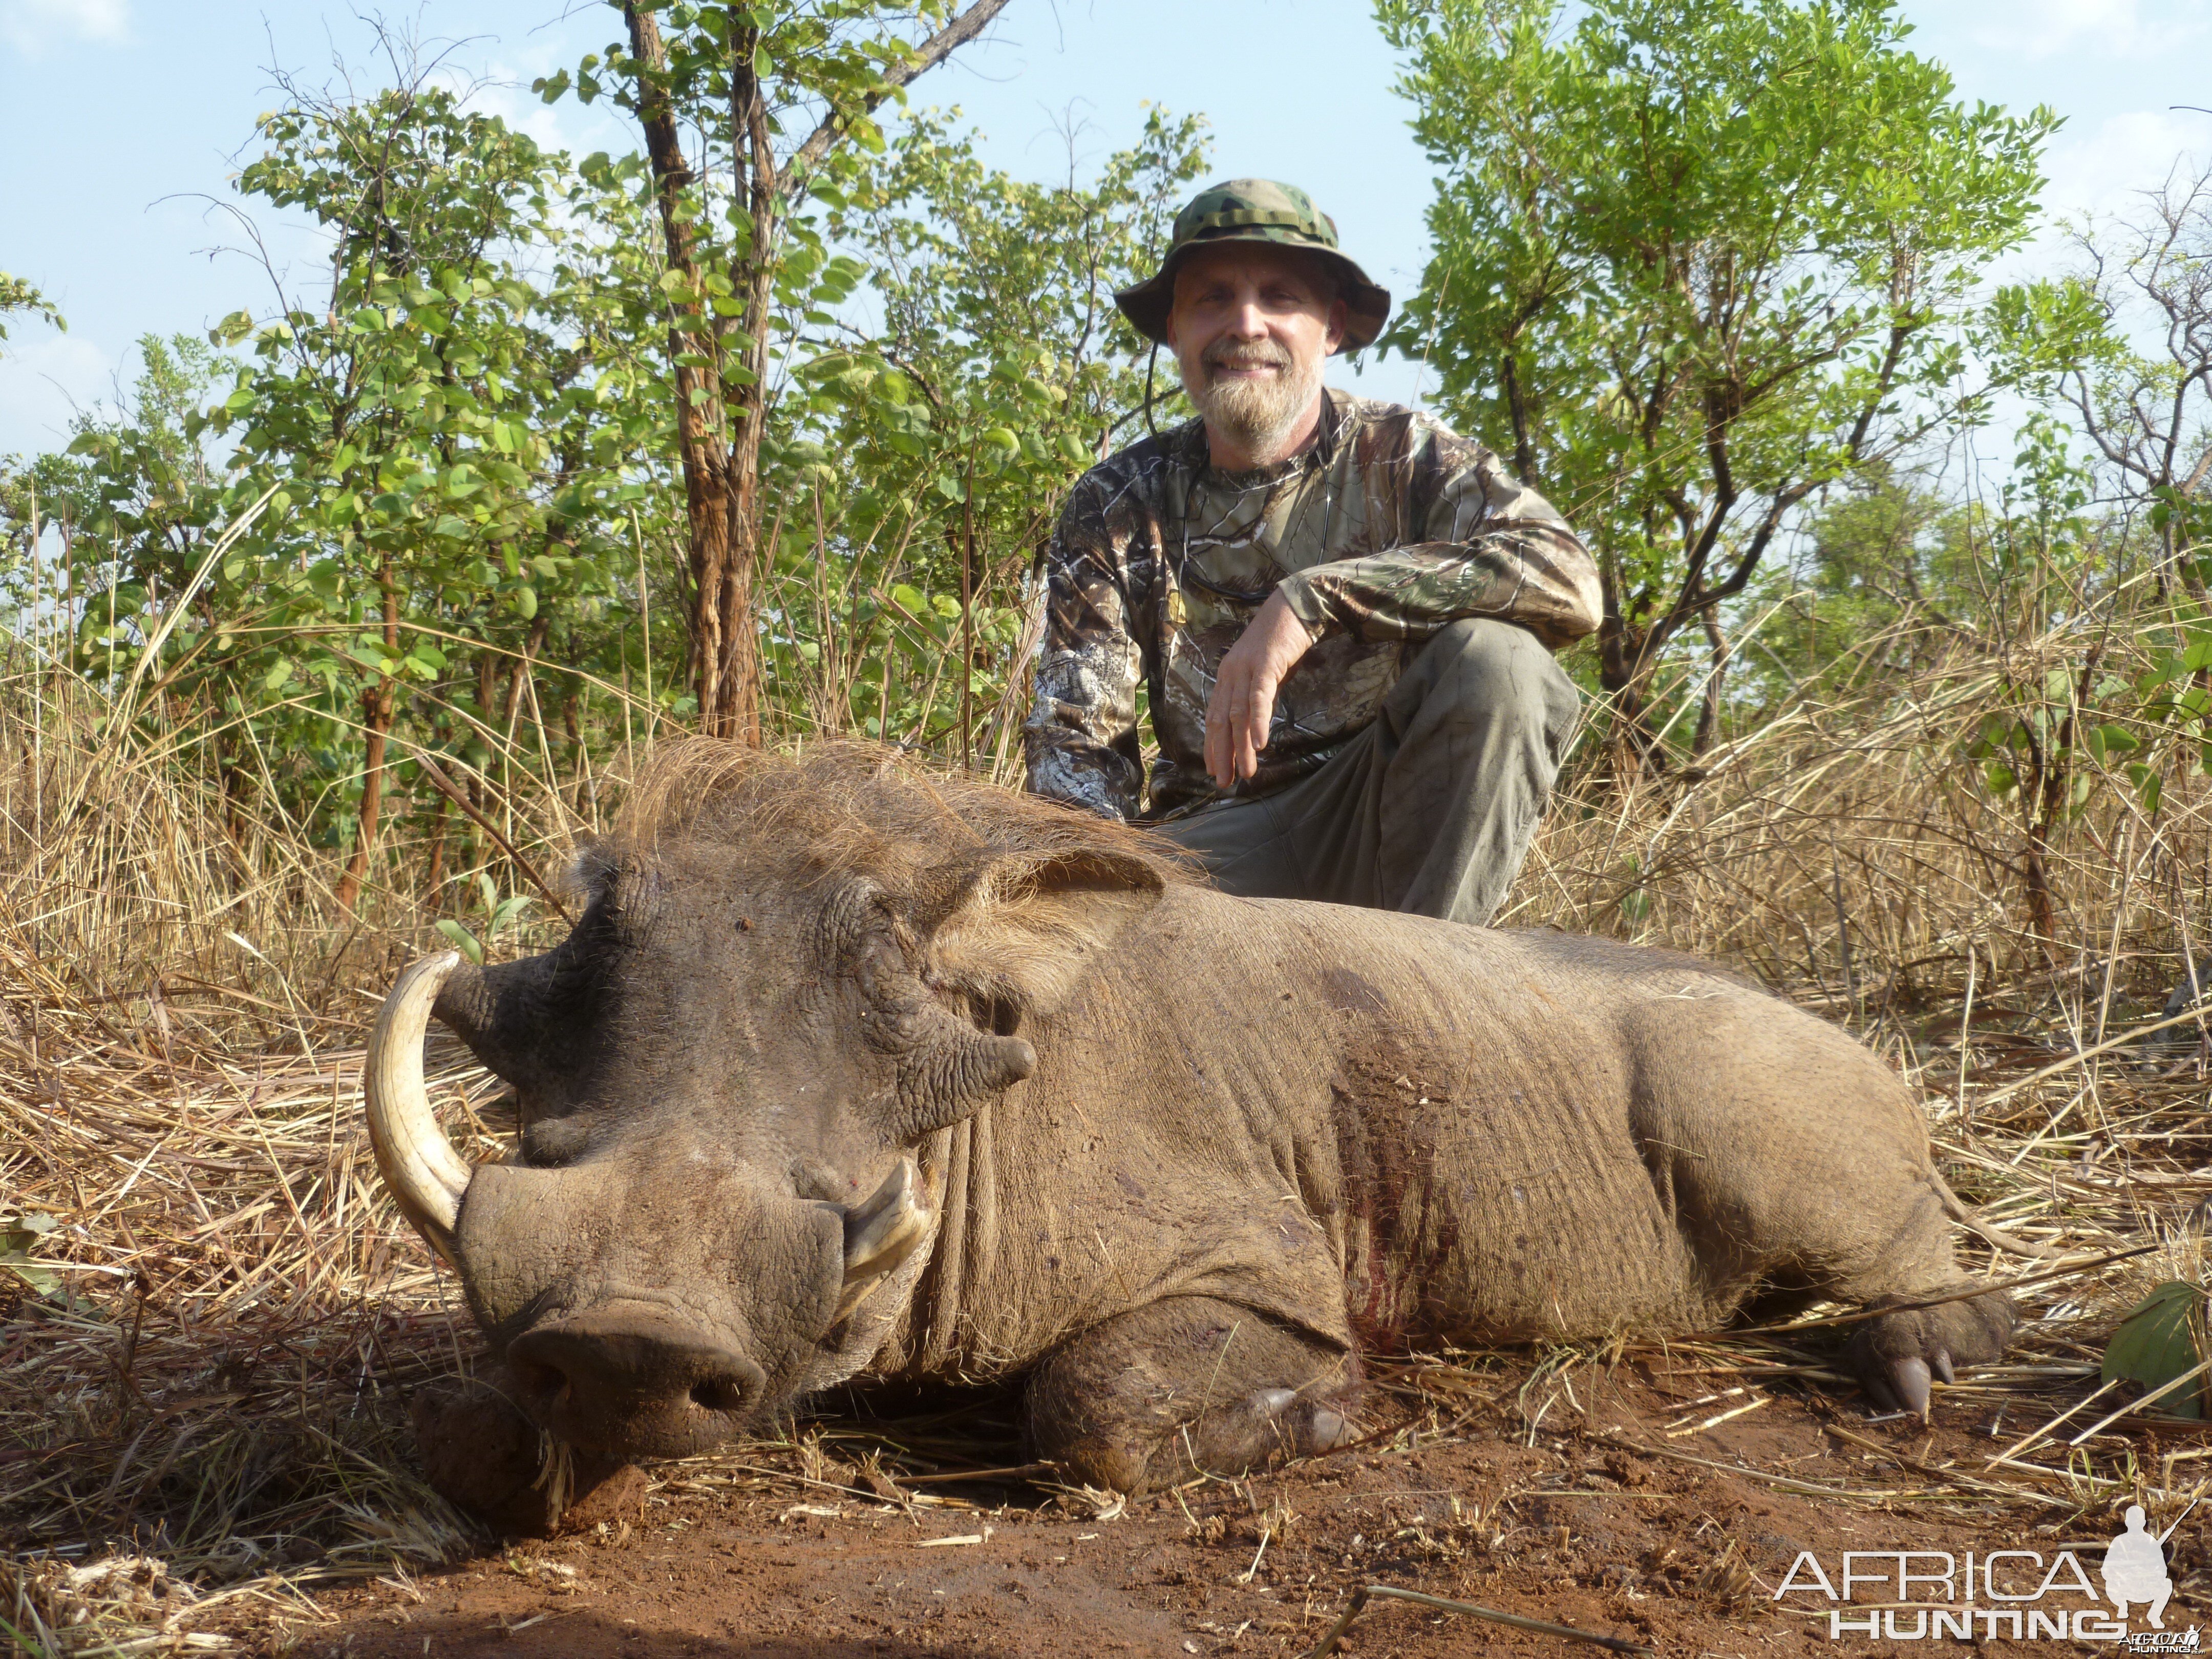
{"type": "Point", "coordinates": [1604, 1497]}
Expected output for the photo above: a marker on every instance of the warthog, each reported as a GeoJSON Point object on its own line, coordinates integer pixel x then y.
{"type": "Point", "coordinates": [844, 1069]}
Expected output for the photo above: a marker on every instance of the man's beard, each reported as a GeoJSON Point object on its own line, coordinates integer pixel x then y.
{"type": "Point", "coordinates": [1256, 415]}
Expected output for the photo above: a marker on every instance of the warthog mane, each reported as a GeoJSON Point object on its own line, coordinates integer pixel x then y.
{"type": "Point", "coordinates": [842, 809]}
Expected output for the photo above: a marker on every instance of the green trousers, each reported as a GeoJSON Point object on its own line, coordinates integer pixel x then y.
{"type": "Point", "coordinates": [1429, 810]}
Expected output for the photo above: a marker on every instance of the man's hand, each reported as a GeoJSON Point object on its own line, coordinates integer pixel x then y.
{"type": "Point", "coordinates": [1243, 702]}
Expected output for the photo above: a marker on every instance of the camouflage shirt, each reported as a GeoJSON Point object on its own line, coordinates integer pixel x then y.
{"type": "Point", "coordinates": [1385, 529]}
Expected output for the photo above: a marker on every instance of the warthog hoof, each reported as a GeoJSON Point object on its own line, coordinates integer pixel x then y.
{"type": "Point", "coordinates": [1899, 1353]}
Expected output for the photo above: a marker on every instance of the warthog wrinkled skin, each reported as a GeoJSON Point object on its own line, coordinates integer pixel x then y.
{"type": "Point", "coordinates": [1189, 1154]}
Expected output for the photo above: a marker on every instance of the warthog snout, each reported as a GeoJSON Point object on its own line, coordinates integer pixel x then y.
{"type": "Point", "coordinates": [633, 1380]}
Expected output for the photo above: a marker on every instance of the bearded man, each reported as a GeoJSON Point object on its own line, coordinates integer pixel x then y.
{"type": "Point", "coordinates": [1343, 614]}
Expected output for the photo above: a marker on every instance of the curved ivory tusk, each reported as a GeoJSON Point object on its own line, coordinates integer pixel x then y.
{"type": "Point", "coordinates": [881, 1231]}
{"type": "Point", "coordinates": [426, 1177]}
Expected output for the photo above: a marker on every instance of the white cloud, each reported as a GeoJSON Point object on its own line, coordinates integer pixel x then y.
{"type": "Point", "coordinates": [35, 27]}
{"type": "Point", "coordinates": [2036, 29]}
{"type": "Point", "coordinates": [45, 382]}
{"type": "Point", "coordinates": [2101, 170]}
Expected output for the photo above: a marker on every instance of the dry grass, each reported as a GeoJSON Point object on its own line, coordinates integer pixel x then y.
{"type": "Point", "coordinates": [208, 1410]}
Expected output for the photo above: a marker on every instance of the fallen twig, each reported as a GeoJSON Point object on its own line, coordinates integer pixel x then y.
{"type": "Point", "coordinates": [1367, 1593]}
{"type": "Point", "coordinates": [1013, 1472]}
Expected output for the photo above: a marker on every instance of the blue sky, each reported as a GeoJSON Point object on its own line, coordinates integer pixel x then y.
{"type": "Point", "coordinates": [124, 120]}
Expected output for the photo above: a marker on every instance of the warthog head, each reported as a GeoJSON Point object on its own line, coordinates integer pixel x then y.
{"type": "Point", "coordinates": [785, 978]}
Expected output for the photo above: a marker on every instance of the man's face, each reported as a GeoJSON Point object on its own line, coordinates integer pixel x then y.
{"type": "Point", "coordinates": [1250, 328]}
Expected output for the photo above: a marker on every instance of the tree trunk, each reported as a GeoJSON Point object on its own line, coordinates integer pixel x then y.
{"type": "Point", "coordinates": [719, 440]}
{"type": "Point", "coordinates": [378, 706]}
{"type": "Point", "coordinates": [437, 875]}
{"type": "Point", "coordinates": [711, 507]}
{"type": "Point", "coordinates": [735, 711]}
{"type": "Point", "coordinates": [1708, 707]}
{"type": "Point", "coordinates": [2044, 799]}
{"type": "Point", "coordinates": [1622, 675]}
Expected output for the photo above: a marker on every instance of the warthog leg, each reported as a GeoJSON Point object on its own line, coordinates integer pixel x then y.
{"type": "Point", "coordinates": [1183, 1386]}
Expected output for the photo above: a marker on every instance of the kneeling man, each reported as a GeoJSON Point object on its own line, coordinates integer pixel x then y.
{"type": "Point", "coordinates": [1342, 613]}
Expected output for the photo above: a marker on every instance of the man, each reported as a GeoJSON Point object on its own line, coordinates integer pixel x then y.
{"type": "Point", "coordinates": [1338, 610]}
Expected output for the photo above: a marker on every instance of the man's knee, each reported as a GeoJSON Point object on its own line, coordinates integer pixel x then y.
{"type": "Point", "coordinates": [1491, 668]}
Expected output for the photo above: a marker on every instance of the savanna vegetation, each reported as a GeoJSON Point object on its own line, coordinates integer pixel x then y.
{"type": "Point", "coordinates": [339, 630]}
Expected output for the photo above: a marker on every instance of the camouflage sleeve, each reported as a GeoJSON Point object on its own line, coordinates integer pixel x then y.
{"type": "Point", "coordinates": [1081, 739]}
{"type": "Point", "coordinates": [1494, 548]}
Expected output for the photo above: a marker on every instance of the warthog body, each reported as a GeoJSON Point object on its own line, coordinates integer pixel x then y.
{"type": "Point", "coordinates": [1178, 1156]}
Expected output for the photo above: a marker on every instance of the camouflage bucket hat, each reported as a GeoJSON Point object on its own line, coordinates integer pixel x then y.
{"type": "Point", "coordinates": [1256, 210]}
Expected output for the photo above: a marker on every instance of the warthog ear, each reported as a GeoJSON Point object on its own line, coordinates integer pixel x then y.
{"type": "Point", "coordinates": [1024, 931]}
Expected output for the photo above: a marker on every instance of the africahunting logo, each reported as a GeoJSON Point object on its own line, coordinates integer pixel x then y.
{"type": "Point", "coordinates": [2018, 1595]}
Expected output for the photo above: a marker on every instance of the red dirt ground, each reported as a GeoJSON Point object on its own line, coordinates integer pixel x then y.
{"type": "Point", "coordinates": [1600, 1524]}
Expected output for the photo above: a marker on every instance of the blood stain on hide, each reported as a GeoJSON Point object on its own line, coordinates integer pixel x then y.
{"type": "Point", "coordinates": [1352, 994]}
{"type": "Point", "coordinates": [1398, 1238]}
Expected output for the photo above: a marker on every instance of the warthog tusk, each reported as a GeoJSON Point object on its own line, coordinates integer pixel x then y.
{"type": "Point", "coordinates": [426, 1177]}
{"type": "Point", "coordinates": [881, 1231]}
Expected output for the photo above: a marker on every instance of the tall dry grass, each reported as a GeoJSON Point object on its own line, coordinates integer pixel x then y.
{"type": "Point", "coordinates": [213, 1385]}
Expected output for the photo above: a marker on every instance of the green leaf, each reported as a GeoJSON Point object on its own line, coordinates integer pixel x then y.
{"type": "Point", "coordinates": [2157, 1342]}
{"type": "Point", "coordinates": [463, 940]}
{"type": "Point", "coordinates": [19, 1236]}
{"type": "Point", "coordinates": [41, 1278]}
{"type": "Point", "coordinates": [526, 602]}
{"type": "Point", "coordinates": [2150, 785]}
{"type": "Point", "coordinates": [950, 488]}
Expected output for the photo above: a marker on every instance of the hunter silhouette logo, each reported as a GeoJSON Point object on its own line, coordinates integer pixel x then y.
{"type": "Point", "coordinates": [2135, 1568]}
{"type": "Point", "coordinates": [2004, 1594]}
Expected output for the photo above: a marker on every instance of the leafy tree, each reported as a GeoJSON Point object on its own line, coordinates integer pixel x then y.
{"type": "Point", "coordinates": [20, 486]}
{"type": "Point", "coordinates": [16, 294]}
{"type": "Point", "coordinates": [1885, 584]}
{"type": "Point", "coordinates": [137, 493]}
{"type": "Point", "coordinates": [1693, 261]}
{"type": "Point", "coordinates": [447, 441]}
{"type": "Point", "coordinates": [774, 94]}
{"type": "Point", "coordinates": [1000, 370]}
{"type": "Point", "coordinates": [2124, 340]}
